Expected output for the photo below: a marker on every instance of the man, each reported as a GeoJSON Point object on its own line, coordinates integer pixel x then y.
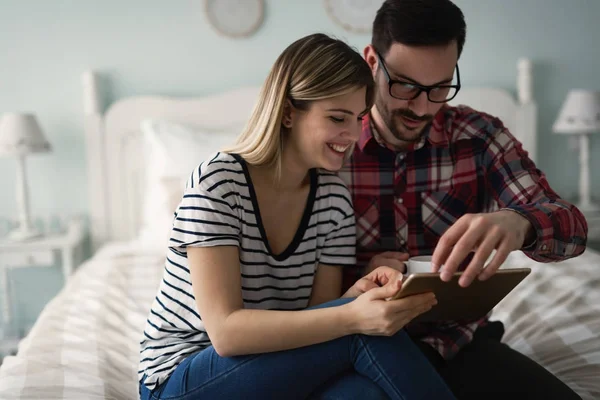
{"type": "Point", "coordinates": [427, 178]}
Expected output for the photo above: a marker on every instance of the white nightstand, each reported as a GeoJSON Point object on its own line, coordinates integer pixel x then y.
{"type": "Point", "coordinates": [47, 251]}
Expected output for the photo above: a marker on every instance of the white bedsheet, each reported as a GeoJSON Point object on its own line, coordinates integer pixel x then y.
{"type": "Point", "coordinates": [85, 342]}
{"type": "Point", "coordinates": [554, 318]}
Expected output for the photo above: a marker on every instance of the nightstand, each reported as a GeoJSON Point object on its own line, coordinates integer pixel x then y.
{"type": "Point", "coordinates": [64, 249]}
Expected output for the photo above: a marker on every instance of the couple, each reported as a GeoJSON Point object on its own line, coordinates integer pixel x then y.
{"type": "Point", "coordinates": [285, 247]}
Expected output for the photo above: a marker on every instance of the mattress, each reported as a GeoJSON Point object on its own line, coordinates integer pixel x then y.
{"type": "Point", "coordinates": [84, 345]}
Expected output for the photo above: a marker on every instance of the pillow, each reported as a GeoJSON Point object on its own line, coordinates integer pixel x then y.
{"type": "Point", "coordinates": [171, 152]}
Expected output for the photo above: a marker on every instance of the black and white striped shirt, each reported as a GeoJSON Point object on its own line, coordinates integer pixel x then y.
{"type": "Point", "coordinates": [219, 207]}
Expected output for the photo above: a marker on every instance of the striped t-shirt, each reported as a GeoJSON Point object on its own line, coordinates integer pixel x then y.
{"type": "Point", "coordinates": [219, 207]}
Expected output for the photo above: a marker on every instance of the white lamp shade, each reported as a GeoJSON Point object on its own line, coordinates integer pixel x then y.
{"type": "Point", "coordinates": [580, 113]}
{"type": "Point", "coordinates": [21, 134]}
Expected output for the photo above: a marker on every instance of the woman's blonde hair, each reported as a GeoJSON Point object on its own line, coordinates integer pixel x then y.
{"type": "Point", "coordinates": [315, 67]}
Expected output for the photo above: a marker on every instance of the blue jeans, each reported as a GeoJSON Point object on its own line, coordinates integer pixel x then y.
{"type": "Point", "coordinates": [350, 367]}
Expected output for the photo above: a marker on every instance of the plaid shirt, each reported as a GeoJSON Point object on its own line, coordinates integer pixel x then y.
{"type": "Point", "coordinates": [468, 162]}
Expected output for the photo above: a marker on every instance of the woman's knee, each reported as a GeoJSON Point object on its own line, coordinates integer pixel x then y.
{"type": "Point", "coordinates": [400, 339]}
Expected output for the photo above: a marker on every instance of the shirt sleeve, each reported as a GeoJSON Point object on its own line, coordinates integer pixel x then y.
{"type": "Point", "coordinates": [517, 184]}
{"type": "Point", "coordinates": [339, 248]}
{"type": "Point", "coordinates": [204, 218]}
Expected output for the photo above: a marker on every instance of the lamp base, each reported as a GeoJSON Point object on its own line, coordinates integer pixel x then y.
{"type": "Point", "coordinates": [21, 234]}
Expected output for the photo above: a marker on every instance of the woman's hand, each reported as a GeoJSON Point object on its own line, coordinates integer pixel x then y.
{"type": "Point", "coordinates": [381, 276]}
{"type": "Point", "coordinates": [372, 314]}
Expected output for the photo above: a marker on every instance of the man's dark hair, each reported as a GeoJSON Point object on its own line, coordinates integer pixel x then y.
{"type": "Point", "coordinates": [418, 23]}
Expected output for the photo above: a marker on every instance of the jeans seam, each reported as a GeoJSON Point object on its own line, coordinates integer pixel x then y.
{"type": "Point", "coordinates": [381, 372]}
{"type": "Point", "coordinates": [208, 382]}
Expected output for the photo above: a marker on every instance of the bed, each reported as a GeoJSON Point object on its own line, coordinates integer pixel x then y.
{"type": "Point", "coordinates": [84, 344]}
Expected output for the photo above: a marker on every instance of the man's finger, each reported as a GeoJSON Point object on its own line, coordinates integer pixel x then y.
{"type": "Point", "coordinates": [446, 243]}
{"type": "Point", "coordinates": [501, 254]}
{"type": "Point", "coordinates": [461, 250]}
{"type": "Point", "coordinates": [479, 258]}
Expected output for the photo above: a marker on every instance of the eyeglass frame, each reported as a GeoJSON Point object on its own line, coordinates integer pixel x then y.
{"type": "Point", "coordinates": [422, 88]}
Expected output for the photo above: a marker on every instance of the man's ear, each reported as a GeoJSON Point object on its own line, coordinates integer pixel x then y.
{"type": "Point", "coordinates": [288, 114]}
{"type": "Point", "coordinates": [370, 56]}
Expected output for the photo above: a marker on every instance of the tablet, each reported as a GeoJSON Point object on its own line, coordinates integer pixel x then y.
{"type": "Point", "coordinates": [455, 303]}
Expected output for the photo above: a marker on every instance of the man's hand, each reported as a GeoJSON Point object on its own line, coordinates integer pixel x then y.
{"type": "Point", "coordinates": [376, 278]}
{"type": "Point", "coordinates": [503, 231]}
{"type": "Point", "coordinates": [392, 259]}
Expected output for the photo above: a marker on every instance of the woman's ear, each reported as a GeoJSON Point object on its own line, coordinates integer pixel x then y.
{"type": "Point", "coordinates": [288, 112]}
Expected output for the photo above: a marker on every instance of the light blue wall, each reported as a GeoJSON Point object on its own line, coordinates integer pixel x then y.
{"type": "Point", "coordinates": [167, 47]}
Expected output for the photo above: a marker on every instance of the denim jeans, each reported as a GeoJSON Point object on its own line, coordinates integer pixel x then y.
{"type": "Point", "coordinates": [350, 367]}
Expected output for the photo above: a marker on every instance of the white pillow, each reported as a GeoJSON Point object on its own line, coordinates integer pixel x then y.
{"type": "Point", "coordinates": [171, 152]}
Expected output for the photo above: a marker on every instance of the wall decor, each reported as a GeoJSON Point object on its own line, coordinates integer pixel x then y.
{"type": "Point", "coordinates": [353, 15]}
{"type": "Point", "coordinates": [235, 18]}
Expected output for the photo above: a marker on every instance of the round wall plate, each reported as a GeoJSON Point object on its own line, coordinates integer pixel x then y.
{"type": "Point", "coordinates": [353, 15]}
{"type": "Point", "coordinates": [235, 18]}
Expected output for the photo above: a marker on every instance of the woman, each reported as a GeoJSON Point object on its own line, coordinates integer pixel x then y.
{"type": "Point", "coordinates": [250, 301]}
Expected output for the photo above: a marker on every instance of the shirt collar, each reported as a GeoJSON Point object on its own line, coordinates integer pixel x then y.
{"type": "Point", "coordinates": [438, 135]}
{"type": "Point", "coordinates": [370, 139]}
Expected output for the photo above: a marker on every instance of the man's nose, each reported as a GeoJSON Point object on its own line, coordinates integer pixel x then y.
{"type": "Point", "coordinates": [419, 105]}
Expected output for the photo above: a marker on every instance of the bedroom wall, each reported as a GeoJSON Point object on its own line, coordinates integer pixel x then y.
{"type": "Point", "coordinates": [154, 46]}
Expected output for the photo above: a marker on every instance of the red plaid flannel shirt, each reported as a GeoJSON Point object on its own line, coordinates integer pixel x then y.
{"type": "Point", "coordinates": [468, 162]}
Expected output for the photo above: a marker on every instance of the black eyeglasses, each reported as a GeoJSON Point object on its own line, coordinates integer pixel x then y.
{"type": "Point", "coordinates": [408, 90]}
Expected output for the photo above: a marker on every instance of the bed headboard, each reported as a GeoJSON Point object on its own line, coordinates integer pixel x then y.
{"type": "Point", "coordinates": [113, 139]}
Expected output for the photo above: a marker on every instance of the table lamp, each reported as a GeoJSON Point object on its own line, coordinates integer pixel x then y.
{"type": "Point", "coordinates": [580, 116]}
{"type": "Point", "coordinates": [20, 135]}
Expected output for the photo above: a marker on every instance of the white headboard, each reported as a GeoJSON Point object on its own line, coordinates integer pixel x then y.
{"type": "Point", "coordinates": [113, 139]}
{"type": "Point", "coordinates": [113, 142]}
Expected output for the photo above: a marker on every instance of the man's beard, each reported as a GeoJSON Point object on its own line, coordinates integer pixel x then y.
{"type": "Point", "coordinates": [399, 130]}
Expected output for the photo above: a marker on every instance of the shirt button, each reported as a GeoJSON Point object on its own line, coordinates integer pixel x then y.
{"type": "Point", "coordinates": [403, 242]}
{"type": "Point", "coordinates": [400, 200]}
{"type": "Point", "coordinates": [423, 195]}
{"type": "Point", "coordinates": [544, 247]}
